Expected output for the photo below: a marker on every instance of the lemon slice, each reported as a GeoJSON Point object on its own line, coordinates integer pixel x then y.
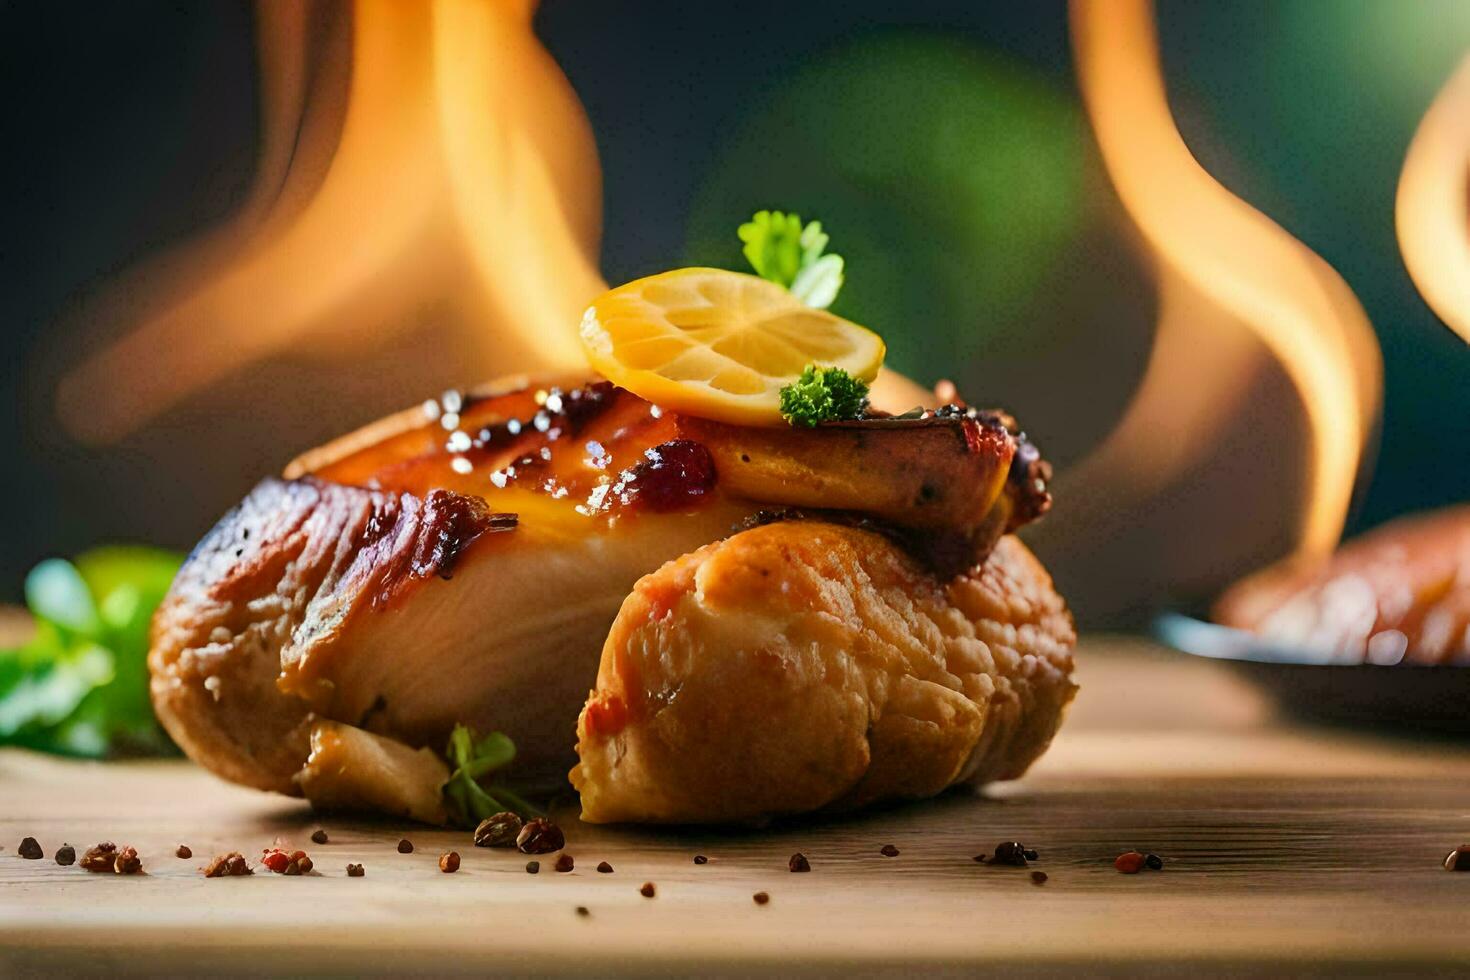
{"type": "Point", "coordinates": [718, 344]}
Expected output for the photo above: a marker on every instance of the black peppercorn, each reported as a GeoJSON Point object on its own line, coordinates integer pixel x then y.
{"type": "Point", "coordinates": [888, 851]}
{"type": "Point", "coordinates": [319, 836]}
{"type": "Point", "coordinates": [405, 846]}
{"type": "Point", "coordinates": [1458, 859]}
{"type": "Point", "coordinates": [1011, 853]}
{"type": "Point", "coordinates": [67, 855]}
{"type": "Point", "coordinates": [30, 849]}
{"type": "Point", "coordinates": [533, 867]}
{"type": "Point", "coordinates": [1153, 862]}
{"type": "Point", "coordinates": [798, 862]}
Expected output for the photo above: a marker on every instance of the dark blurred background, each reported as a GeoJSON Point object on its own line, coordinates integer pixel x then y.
{"type": "Point", "coordinates": [942, 143]}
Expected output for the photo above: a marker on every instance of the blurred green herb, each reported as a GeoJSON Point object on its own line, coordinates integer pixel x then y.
{"type": "Point", "coordinates": [823, 395]}
{"type": "Point", "coordinates": [79, 685]}
{"type": "Point", "coordinates": [473, 758]}
{"type": "Point", "coordinates": [784, 251]}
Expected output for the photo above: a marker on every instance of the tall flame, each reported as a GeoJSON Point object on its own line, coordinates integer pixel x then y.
{"type": "Point", "coordinates": [463, 177]}
{"type": "Point", "coordinates": [1223, 267]}
{"type": "Point", "coordinates": [1433, 208]}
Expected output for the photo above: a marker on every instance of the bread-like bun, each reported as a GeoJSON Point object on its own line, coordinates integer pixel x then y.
{"type": "Point", "coordinates": [806, 665]}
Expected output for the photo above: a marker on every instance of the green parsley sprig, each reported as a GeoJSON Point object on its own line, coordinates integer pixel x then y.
{"type": "Point", "coordinates": [823, 395]}
{"type": "Point", "coordinates": [473, 758]}
{"type": "Point", "coordinates": [783, 250]}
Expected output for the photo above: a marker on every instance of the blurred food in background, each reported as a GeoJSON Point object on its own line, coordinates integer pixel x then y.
{"type": "Point", "coordinates": [1398, 594]}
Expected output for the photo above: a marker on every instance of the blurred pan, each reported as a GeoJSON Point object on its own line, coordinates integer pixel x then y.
{"type": "Point", "coordinates": [1305, 683]}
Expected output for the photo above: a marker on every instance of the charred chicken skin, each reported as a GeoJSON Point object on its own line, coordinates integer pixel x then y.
{"type": "Point", "coordinates": [464, 562]}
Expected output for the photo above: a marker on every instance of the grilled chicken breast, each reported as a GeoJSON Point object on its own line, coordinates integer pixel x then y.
{"type": "Point", "coordinates": [463, 562]}
{"type": "Point", "coordinates": [805, 665]}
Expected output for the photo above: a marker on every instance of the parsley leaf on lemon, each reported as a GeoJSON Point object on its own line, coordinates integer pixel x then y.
{"type": "Point", "coordinates": [823, 395]}
{"type": "Point", "coordinates": [783, 250]}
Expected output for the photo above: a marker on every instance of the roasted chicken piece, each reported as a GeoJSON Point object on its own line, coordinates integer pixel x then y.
{"type": "Point", "coordinates": [805, 665]}
{"type": "Point", "coordinates": [1398, 594]}
{"type": "Point", "coordinates": [462, 563]}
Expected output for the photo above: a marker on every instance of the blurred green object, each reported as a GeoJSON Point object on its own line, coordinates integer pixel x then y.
{"type": "Point", "coordinates": [952, 176]}
{"type": "Point", "coordinates": [79, 686]}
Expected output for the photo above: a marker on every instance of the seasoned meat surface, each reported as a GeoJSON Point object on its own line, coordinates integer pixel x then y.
{"type": "Point", "coordinates": [804, 665]}
{"type": "Point", "coordinates": [461, 563]}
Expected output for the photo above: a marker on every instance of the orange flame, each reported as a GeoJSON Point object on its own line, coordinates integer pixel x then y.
{"type": "Point", "coordinates": [463, 176]}
{"type": "Point", "coordinates": [1228, 274]}
{"type": "Point", "coordinates": [1433, 208]}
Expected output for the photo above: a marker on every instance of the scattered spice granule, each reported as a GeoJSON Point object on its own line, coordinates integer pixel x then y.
{"type": "Point", "coordinates": [499, 830]}
{"type": "Point", "coordinates": [355, 871]}
{"type": "Point", "coordinates": [798, 863]}
{"type": "Point", "coordinates": [565, 863]}
{"type": "Point", "coordinates": [66, 856]}
{"type": "Point", "coordinates": [284, 862]}
{"type": "Point", "coordinates": [647, 891]}
{"type": "Point", "coordinates": [1458, 859]}
{"type": "Point", "coordinates": [700, 859]}
{"type": "Point", "coordinates": [319, 836]}
{"type": "Point", "coordinates": [888, 851]}
{"type": "Point", "coordinates": [533, 867]}
{"type": "Point", "coordinates": [228, 865]}
{"type": "Point", "coordinates": [449, 862]}
{"type": "Point", "coordinates": [100, 858]}
{"type": "Point", "coordinates": [128, 862]}
{"type": "Point", "coordinates": [540, 836]}
{"type": "Point", "coordinates": [604, 868]}
{"type": "Point", "coordinates": [761, 898]}
{"type": "Point", "coordinates": [183, 852]}
{"type": "Point", "coordinates": [1011, 853]}
{"type": "Point", "coordinates": [1153, 862]}
{"type": "Point", "coordinates": [1038, 877]}
{"type": "Point", "coordinates": [583, 911]}
{"type": "Point", "coordinates": [405, 846]}
{"type": "Point", "coordinates": [30, 849]}
{"type": "Point", "coordinates": [1129, 862]}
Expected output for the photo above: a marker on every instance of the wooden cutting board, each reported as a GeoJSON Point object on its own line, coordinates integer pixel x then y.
{"type": "Point", "coordinates": [1289, 848]}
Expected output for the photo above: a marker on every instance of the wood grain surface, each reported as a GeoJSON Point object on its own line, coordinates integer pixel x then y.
{"type": "Point", "coordinates": [1287, 849]}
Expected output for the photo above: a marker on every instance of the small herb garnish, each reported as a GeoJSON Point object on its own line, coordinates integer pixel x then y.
{"type": "Point", "coordinates": [823, 395]}
{"type": "Point", "coordinates": [780, 248]}
{"type": "Point", "coordinates": [472, 759]}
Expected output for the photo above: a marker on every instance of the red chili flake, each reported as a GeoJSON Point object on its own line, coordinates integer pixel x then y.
{"type": "Point", "coordinates": [66, 856]}
{"type": "Point", "coordinates": [700, 859]}
{"type": "Point", "coordinates": [449, 862]}
{"type": "Point", "coordinates": [647, 891]}
{"type": "Point", "coordinates": [229, 865]}
{"type": "Point", "coordinates": [798, 863]}
{"type": "Point", "coordinates": [319, 836]}
{"type": "Point", "coordinates": [405, 846]}
{"type": "Point", "coordinates": [1038, 877]}
{"type": "Point", "coordinates": [30, 849]}
{"type": "Point", "coordinates": [355, 871]}
{"type": "Point", "coordinates": [565, 863]}
{"type": "Point", "coordinates": [284, 862]}
{"type": "Point", "coordinates": [888, 851]}
{"type": "Point", "coordinates": [128, 862]}
{"type": "Point", "coordinates": [604, 868]}
{"type": "Point", "coordinates": [761, 898]}
{"type": "Point", "coordinates": [100, 858]}
{"type": "Point", "coordinates": [184, 852]}
{"type": "Point", "coordinates": [1129, 862]}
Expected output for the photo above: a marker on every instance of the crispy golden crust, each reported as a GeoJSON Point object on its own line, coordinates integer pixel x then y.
{"type": "Point", "coordinates": [806, 665]}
